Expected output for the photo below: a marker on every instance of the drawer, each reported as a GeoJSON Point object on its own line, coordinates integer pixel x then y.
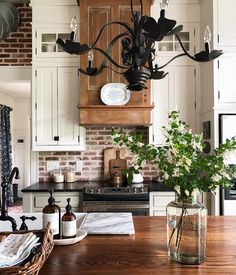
{"type": "Point", "coordinates": [41, 200]}
{"type": "Point", "coordinates": [159, 213]}
{"type": "Point", "coordinates": [161, 200]}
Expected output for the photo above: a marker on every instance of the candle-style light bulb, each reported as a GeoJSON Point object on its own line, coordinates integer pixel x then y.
{"type": "Point", "coordinates": [207, 35]}
{"type": "Point", "coordinates": [207, 39]}
{"type": "Point", "coordinates": [73, 26]}
{"type": "Point", "coordinates": [90, 58]}
{"type": "Point", "coordinates": [164, 4]}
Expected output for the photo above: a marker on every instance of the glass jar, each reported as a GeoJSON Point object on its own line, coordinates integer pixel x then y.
{"type": "Point", "coordinates": [58, 176]}
{"type": "Point", "coordinates": [69, 174]}
{"type": "Point", "coordinates": [186, 230]}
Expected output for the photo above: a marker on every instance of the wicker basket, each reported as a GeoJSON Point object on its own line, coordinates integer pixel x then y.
{"type": "Point", "coordinates": [33, 264]}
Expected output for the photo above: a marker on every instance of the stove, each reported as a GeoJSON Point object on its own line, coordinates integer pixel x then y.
{"type": "Point", "coordinates": [116, 193]}
{"type": "Point", "coordinates": [116, 199]}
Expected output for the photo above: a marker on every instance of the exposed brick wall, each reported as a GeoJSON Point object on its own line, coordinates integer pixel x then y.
{"type": "Point", "coordinates": [16, 50]}
{"type": "Point", "coordinates": [97, 139]}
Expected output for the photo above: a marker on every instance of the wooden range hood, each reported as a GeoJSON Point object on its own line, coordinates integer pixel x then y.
{"type": "Point", "coordinates": [94, 15]}
{"type": "Point", "coordinates": [115, 115]}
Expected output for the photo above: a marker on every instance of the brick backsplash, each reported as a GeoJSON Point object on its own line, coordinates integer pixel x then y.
{"type": "Point", "coordinates": [97, 139]}
{"type": "Point", "coordinates": [16, 50]}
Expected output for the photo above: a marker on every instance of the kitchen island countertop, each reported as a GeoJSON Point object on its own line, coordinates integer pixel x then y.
{"type": "Point", "coordinates": [145, 252]}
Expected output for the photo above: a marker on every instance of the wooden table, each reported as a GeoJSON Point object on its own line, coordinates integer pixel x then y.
{"type": "Point", "coordinates": [145, 252]}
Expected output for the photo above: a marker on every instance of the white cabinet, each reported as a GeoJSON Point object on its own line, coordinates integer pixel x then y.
{"type": "Point", "coordinates": [226, 74]}
{"type": "Point", "coordinates": [177, 91]}
{"type": "Point", "coordinates": [226, 21]}
{"type": "Point", "coordinates": [55, 112]}
{"type": "Point", "coordinates": [217, 78]}
{"type": "Point", "coordinates": [180, 89]}
{"type": "Point", "coordinates": [158, 202]}
{"type": "Point", "coordinates": [55, 84]}
{"type": "Point", "coordinates": [35, 201]}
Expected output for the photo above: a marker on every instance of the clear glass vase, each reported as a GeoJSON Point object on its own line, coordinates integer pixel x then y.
{"type": "Point", "coordinates": [186, 230]}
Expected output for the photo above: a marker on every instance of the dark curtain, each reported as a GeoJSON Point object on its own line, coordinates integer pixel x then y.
{"type": "Point", "coordinates": [6, 148]}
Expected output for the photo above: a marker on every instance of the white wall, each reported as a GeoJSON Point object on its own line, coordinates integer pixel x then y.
{"type": "Point", "coordinates": [6, 99]}
{"type": "Point", "coordinates": [20, 129]}
{"type": "Point", "coordinates": [20, 101]}
{"type": "Point", "coordinates": [21, 132]}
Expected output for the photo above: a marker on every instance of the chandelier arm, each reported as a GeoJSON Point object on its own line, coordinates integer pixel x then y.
{"type": "Point", "coordinates": [108, 51]}
{"type": "Point", "coordinates": [106, 54]}
{"type": "Point", "coordinates": [111, 23]}
{"type": "Point", "coordinates": [147, 52]}
{"type": "Point", "coordinates": [179, 55]}
{"type": "Point", "coordinates": [110, 59]}
{"type": "Point", "coordinates": [132, 7]}
{"type": "Point", "coordinates": [100, 70]}
{"type": "Point", "coordinates": [114, 70]}
{"type": "Point", "coordinates": [184, 50]}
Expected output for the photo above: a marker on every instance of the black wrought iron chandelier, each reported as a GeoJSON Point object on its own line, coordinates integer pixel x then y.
{"type": "Point", "coordinates": [138, 47]}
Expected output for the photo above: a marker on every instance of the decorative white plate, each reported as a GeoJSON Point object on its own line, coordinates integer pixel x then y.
{"type": "Point", "coordinates": [115, 94]}
{"type": "Point", "coordinates": [80, 235]}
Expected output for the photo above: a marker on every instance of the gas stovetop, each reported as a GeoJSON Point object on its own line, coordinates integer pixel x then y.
{"type": "Point", "coordinates": [116, 193]}
{"type": "Point", "coordinates": [116, 190]}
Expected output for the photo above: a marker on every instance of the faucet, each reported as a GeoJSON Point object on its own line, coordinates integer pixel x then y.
{"type": "Point", "coordinates": [15, 171]}
{"type": "Point", "coordinates": [4, 213]}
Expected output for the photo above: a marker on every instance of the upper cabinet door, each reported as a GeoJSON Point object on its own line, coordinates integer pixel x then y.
{"type": "Point", "coordinates": [172, 94]}
{"type": "Point", "coordinates": [68, 114]}
{"type": "Point", "coordinates": [185, 93]}
{"type": "Point", "coordinates": [226, 23]}
{"type": "Point", "coordinates": [226, 79]}
{"type": "Point", "coordinates": [46, 106]}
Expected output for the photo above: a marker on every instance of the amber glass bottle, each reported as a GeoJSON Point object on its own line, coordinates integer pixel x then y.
{"type": "Point", "coordinates": [68, 222]}
{"type": "Point", "coordinates": [52, 214]}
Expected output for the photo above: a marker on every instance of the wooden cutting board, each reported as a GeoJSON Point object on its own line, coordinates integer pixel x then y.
{"type": "Point", "coordinates": [118, 165]}
{"type": "Point", "coordinates": [110, 154]}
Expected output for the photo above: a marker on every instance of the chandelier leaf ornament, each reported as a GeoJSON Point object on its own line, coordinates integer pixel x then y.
{"type": "Point", "coordinates": [138, 47]}
{"type": "Point", "coordinates": [9, 19]}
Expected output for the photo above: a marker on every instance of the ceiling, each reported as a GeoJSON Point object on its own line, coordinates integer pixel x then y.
{"type": "Point", "coordinates": [16, 89]}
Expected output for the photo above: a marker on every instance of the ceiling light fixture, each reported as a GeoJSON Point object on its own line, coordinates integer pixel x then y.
{"type": "Point", "coordinates": [138, 47]}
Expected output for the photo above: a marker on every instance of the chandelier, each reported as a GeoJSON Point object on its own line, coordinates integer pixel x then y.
{"type": "Point", "coordinates": [138, 47]}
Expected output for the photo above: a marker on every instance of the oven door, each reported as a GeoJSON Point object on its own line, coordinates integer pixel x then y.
{"type": "Point", "coordinates": [136, 208]}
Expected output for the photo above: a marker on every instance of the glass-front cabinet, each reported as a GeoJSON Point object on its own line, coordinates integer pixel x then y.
{"type": "Point", "coordinates": [170, 45]}
{"type": "Point", "coordinates": [46, 45]}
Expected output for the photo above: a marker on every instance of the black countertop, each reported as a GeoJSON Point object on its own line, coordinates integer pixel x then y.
{"type": "Point", "coordinates": [79, 186]}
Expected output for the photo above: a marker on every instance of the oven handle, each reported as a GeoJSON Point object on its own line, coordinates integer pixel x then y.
{"type": "Point", "coordinates": [89, 207]}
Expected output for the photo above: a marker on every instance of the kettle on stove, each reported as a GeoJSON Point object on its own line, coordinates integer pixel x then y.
{"type": "Point", "coordinates": [116, 179]}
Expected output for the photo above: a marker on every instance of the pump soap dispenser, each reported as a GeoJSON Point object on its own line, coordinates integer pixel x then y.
{"type": "Point", "coordinates": [68, 222]}
{"type": "Point", "coordinates": [52, 214]}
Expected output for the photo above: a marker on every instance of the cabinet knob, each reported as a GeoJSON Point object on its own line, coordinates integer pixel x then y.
{"type": "Point", "coordinates": [56, 138]}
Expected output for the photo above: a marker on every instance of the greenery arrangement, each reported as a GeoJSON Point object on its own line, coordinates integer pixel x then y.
{"type": "Point", "coordinates": [180, 159]}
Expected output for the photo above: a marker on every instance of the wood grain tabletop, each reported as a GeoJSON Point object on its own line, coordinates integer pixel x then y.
{"type": "Point", "coordinates": [145, 252]}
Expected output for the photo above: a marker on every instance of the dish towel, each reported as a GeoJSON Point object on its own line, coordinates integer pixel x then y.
{"type": "Point", "coordinates": [14, 245]}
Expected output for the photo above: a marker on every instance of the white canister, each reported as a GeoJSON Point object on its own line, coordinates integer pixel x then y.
{"type": "Point", "coordinates": [137, 178]}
